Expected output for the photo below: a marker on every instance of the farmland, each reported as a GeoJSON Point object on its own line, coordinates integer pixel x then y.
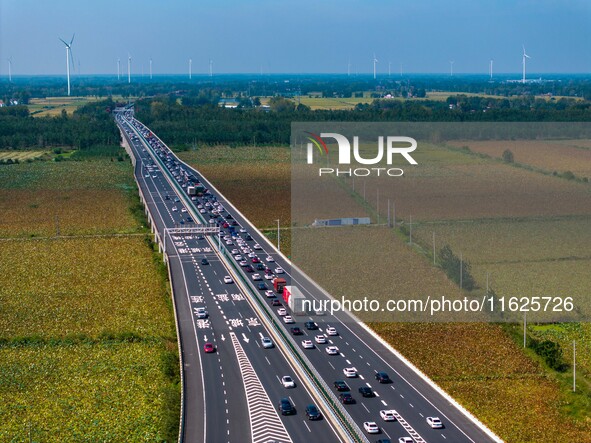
{"type": "Point", "coordinates": [88, 348]}
{"type": "Point", "coordinates": [21, 156]}
{"type": "Point", "coordinates": [479, 364]}
{"type": "Point", "coordinates": [79, 198]}
{"type": "Point", "coordinates": [331, 102]}
{"type": "Point", "coordinates": [52, 106]}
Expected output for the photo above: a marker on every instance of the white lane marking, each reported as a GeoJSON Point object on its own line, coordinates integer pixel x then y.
{"type": "Point", "coordinates": [384, 403]}
{"type": "Point", "coordinates": [363, 404]}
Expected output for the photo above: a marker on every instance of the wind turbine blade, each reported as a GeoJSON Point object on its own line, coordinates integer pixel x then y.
{"type": "Point", "coordinates": [63, 41]}
{"type": "Point", "coordinates": [72, 59]}
{"type": "Point", "coordinates": [72, 41]}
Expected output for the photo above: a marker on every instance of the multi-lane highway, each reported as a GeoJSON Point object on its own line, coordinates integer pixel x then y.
{"type": "Point", "coordinates": [232, 394]}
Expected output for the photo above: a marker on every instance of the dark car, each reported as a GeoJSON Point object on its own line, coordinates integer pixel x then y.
{"type": "Point", "coordinates": [346, 398]}
{"type": "Point", "coordinates": [296, 331]}
{"type": "Point", "coordinates": [262, 286]}
{"type": "Point", "coordinates": [248, 268]}
{"type": "Point", "coordinates": [189, 219]}
{"type": "Point", "coordinates": [204, 261]}
{"type": "Point", "coordinates": [310, 325]}
{"type": "Point", "coordinates": [228, 217]}
{"type": "Point", "coordinates": [382, 377]}
{"type": "Point", "coordinates": [167, 197]}
{"type": "Point", "coordinates": [260, 267]}
{"type": "Point", "coordinates": [340, 385]}
{"type": "Point", "coordinates": [285, 407]}
{"type": "Point", "coordinates": [248, 237]}
{"type": "Point", "coordinates": [276, 302]}
{"type": "Point", "coordinates": [313, 413]}
{"type": "Point", "coordinates": [366, 391]}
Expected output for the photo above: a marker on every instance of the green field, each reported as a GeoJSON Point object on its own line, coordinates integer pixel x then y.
{"type": "Point", "coordinates": [88, 346]}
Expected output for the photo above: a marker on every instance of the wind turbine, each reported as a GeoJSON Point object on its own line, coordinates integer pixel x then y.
{"type": "Point", "coordinates": [150, 69]}
{"type": "Point", "coordinates": [451, 67]}
{"type": "Point", "coordinates": [523, 63]}
{"type": "Point", "coordinates": [68, 58]}
{"type": "Point", "coordinates": [389, 68]}
{"type": "Point", "coordinates": [128, 68]}
{"type": "Point", "coordinates": [490, 69]}
{"type": "Point", "coordinates": [375, 60]}
{"type": "Point", "coordinates": [10, 69]}
{"type": "Point", "coordinates": [190, 68]}
{"type": "Point", "coordinates": [118, 69]}
{"type": "Point", "coordinates": [349, 68]}
{"type": "Point", "coordinates": [210, 67]}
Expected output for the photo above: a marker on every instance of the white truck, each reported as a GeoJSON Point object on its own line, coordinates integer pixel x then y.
{"type": "Point", "coordinates": [294, 299]}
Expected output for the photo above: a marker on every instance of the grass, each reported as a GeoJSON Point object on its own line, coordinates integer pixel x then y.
{"type": "Point", "coordinates": [331, 102]}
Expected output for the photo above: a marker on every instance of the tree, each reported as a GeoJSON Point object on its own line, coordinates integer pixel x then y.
{"type": "Point", "coordinates": [507, 156]}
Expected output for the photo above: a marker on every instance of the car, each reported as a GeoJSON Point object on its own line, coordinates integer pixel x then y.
{"type": "Point", "coordinates": [269, 259]}
{"type": "Point", "coordinates": [287, 382]}
{"type": "Point", "coordinates": [269, 293]}
{"type": "Point", "coordinates": [296, 331]}
{"type": "Point", "coordinates": [307, 344]}
{"type": "Point", "coordinates": [184, 209]}
{"type": "Point", "coordinates": [388, 414]}
{"type": "Point", "coordinates": [320, 339]}
{"type": "Point", "coordinates": [311, 326]}
{"type": "Point", "coordinates": [257, 246]}
{"type": "Point", "coordinates": [341, 386]}
{"type": "Point", "coordinates": [147, 175]}
{"type": "Point", "coordinates": [204, 261]}
{"type": "Point", "coordinates": [260, 267]}
{"type": "Point", "coordinates": [228, 279]}
{"type": "Point", "coordinates": [248, 237]}
{"type": "Point", "coordinates": [313, 413]}
{"type": "Point", "coordinates": [350, 372]}
{"type": "Point", "coordinates": [154, 176]}
{"type": "Point", "coordinates": [174, 209]}
{"type": "Point", "coordinates": [234, 252]}
{"type": "Point", "coordinates": [238, 257]}
{"type": "Point", "coordinates": [282, 312]}
{"type": "Point", "coordinates": [371, 427]}
{"type": "Point", "coordinates": [176, 199]}
{"type": "Point", "coordinates": [279, 270]}
{"type": "Point", "coordinates": [267, 343]}
{"type": "Point", "coordinates": [167, 197]}
{"type": "Point", "coordinates": [285, 407]}
{"type": "Point", "coordinates": [242, 230]}
{"type": "Point", "coordinates": [287, 319]}
{"type": "Point", "coordinates": [332, 350]}
{"type": "Point", "coordinates": [269, 276]}
{"type": "Point", "coordinates": [255, 260]}
{"type": "Point", "coordinates": [243, 263]}
{"type": "Point", "coordinates": [434, 422]}
{"type": "Point", "coordinates": [190, 219]}
{"type": "Point", "coordinates": [276, 302]}
{"type": "Point", "coordinates": [262, 286]}
{"type": "Point", "coordinates": [366, 392]}
{"type": "Point", "coordinates": [382, 377]}
{"type": "Point", "coordinates": [229, 242]}
{"type": "Point", "coordinates": [384, 440]}
{"type": "Point", "coordinates": [331, 331]}
{"type": "Point", "coordinates": [208, 348]}
{"type": "Point", "coordinates": [319, 312]}
{"type": "Point", "coordinates": [201, 312]}
{"type": "Point", "coordinates": [256, 277]}
{"type": "Point", "coordinates": [405, 440]}
{"type": "Point", "coordinates": [346, 398]}
{"type": "Point", "coordinates": [249, 268]}
{"type": "Point", "coordinates": [252, 255]}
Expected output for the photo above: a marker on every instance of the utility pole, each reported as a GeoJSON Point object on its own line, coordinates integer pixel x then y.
{"type": "Point", "coordinates": [278, 237]}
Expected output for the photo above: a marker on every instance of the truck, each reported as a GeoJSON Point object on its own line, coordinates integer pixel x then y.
{"type": "Point", "coordinates": [279, 284]}
{"type": "Point", "coordinates": [294, 299]}
{"type": "Point", "coordinates": [195, 189]}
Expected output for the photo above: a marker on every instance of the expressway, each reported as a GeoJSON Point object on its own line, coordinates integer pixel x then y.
{"type": "Point", "coordinates": [413, 397]}
{"type": "Point", "coordinates": [216, 407]}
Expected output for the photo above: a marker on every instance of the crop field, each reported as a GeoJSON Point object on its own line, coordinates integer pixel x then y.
{"type": "Point", "coordinates": [52, 106]}
{"type": "Point", "coordinates": [546, 155]}
{"type": "Point", "coordinates": [85, 392]}
{"type": "Point", "coordinates": [21, 156]}
{"type": "Point", "coordinates": [331, 102]}
{"type": "Point", "coordinates": [453, 185]}
{"type": "Point", "coordinates": [80, 197]}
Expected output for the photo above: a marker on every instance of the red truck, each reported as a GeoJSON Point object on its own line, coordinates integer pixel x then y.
{"type": "Point", "coordinates": [279, 284]}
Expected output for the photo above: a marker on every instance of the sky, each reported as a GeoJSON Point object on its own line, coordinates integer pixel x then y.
{"type": "Point", "coordinates": [296, 36]}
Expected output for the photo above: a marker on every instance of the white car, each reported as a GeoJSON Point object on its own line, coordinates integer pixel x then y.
{"type": "Point", "coordinates": [388, 414]}
{"type": "Point", "coordinates": [234, 251]}
{"type": "Point", "coordinates": [174, 209]}
{"type": "Point", "coordinates": [269, 276]}
{"type": "Point", "coordinates": [242, 230]}
{"type": "Point", "coordinates": [288, 320]}
{"type": "Point", "coordinates": [228, 279]}
{"type": "Point", "coordinates": [405, 440]}
{"type": "Point", "coordinates": [267, 343]}
{"type": "Point", "coordinates": [243, 263]}
{"type": "Point", "coordinates": [350, 372]}
{"type": "Point", "coordinates": [269, 259]}
{"type": "Point", "coordinates": [320, 339]}
{"type": "Point", "coordinates": [279, 270]}
{"type": "Point", "coordinates": [256, 277]}
{"type": "Point", "coordinates": [332, 350]}
{"type": "Point", "coordinates": [281, 312]}
{"type": "Point", "coordinates": [229, 242]}
{"type": "Point", "coordinates": [257, 246]}
{"type": "Point", "coordinates": [307, 344]}
{"type": "Point", "coordinates": [270, 294]}
{"type": "Point", "coordinates": [238, 257]}
{"type": "Point", "coordinates": [184, 210]}
{"type": "Point", "coordinates": [287, 382]}
{"type": "Point", "coordinates": [434, 422]}
{"type": "Point", "coordinates": [371, 427]}
{"type": "Point", "coordinates": [201, 312]}
{"type": "Point", "coordinates": [251, 255]}
{"type": "Point", "coordinates": [331, 331]}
